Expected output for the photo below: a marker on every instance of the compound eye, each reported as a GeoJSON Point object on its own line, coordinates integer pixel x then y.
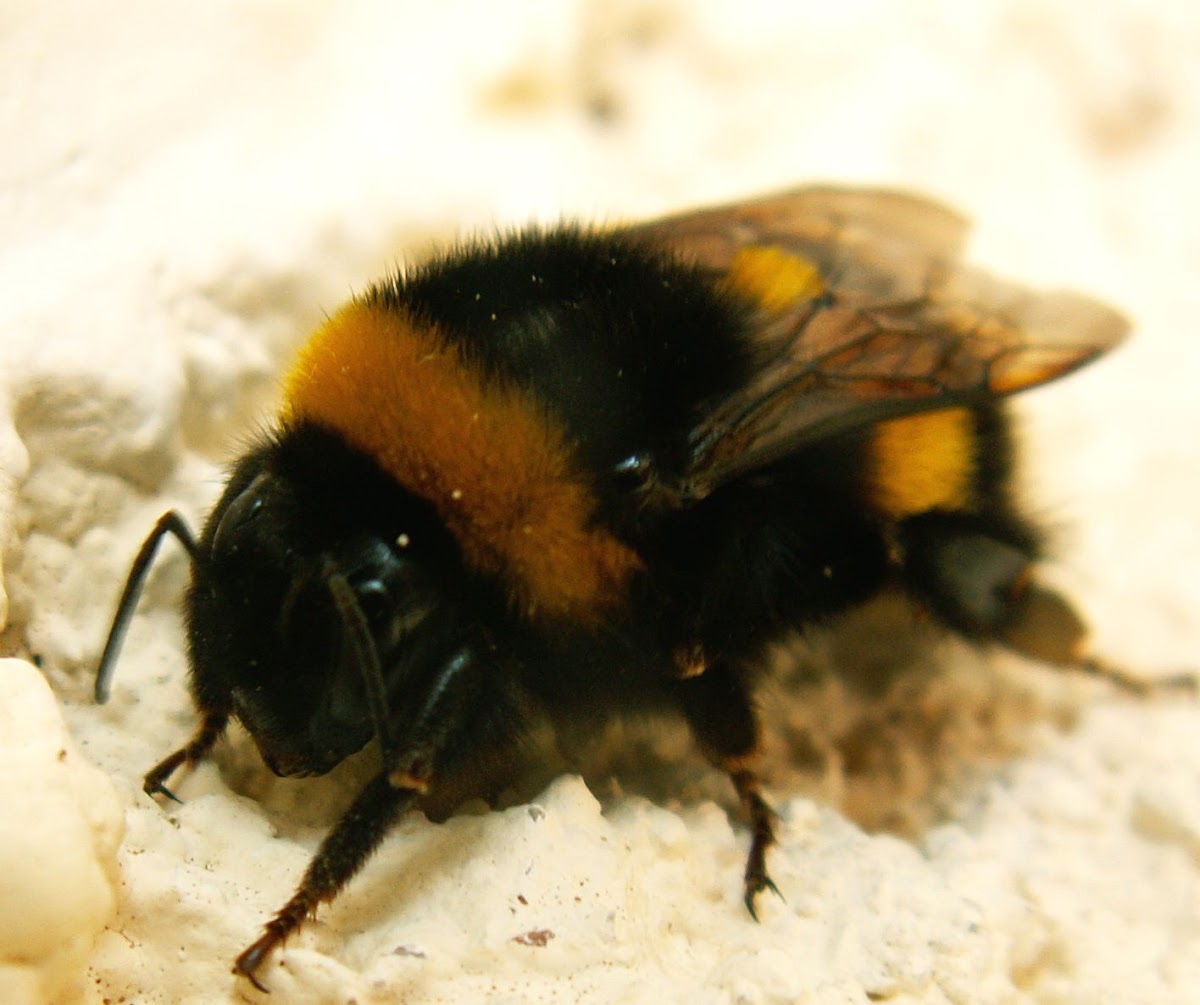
{"type": "Point", "coordinates": [246, 506]}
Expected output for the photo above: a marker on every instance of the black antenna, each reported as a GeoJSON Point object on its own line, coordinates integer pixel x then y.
{"type": "Point", "coordinates": [358, 633]}
{"type": "Point", "coordinates": [169, 523]}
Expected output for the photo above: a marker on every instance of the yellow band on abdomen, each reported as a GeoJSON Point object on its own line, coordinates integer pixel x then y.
{"type": "Point", "coordinates": [774, 279]}
{"type": "Point", "coordinates": [923, 462]}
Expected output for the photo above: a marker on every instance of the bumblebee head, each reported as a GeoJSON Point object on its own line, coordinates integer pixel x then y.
{"type": "Point", "coordinates": [297, 631]}
{"type": "Point", "coordinates": [318, 598]}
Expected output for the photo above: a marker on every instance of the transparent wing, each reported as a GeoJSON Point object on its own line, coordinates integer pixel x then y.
{"type": "Point", "coordinates": [894, 325]}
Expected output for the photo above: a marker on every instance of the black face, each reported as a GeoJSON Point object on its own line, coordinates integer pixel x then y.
{"type": "Point", "coordinates": [296, 602]}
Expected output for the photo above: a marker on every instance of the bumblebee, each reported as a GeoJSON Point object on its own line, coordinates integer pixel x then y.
{"type": "Point", "coordinates": [571, 473]}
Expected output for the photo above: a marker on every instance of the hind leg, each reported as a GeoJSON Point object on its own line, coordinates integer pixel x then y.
{"type": "Point", "coordinates": [977, 576]}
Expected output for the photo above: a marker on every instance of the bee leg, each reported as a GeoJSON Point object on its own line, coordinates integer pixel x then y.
{"type": "Point", "coordinates": [211, 727]}
{"type": "Point", "coordinates": [1139, 687]}
{"type": "Point", "coordinates": [1043, 624]}
{"type": "Point", "coordinates": [983, 585]}
{"type": "Point", "coordinates": [722, 719]}
{"type": "Point", "coordinates": [340, 856]}
{"type": "Point", "coordinates": [762, 821]}
{"type": "Point", "coordinates": [434, 723]}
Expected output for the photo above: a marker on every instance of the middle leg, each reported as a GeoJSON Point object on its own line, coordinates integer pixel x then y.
{"type": "Point", "coordinates": [719, 711]}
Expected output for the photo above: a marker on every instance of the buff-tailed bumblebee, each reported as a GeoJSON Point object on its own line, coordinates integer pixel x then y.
{"type": "Point", "coordinates": [572, 472]}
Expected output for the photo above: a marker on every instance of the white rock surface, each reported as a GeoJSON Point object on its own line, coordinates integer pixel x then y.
{"type": "Point", "coordinates": [58, 842]}
{"type": "Point", "coordinates": [186, 189]}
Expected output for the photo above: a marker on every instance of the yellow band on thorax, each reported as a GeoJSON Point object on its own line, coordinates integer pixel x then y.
{"type": "Point", "coordinates": [494, 465]}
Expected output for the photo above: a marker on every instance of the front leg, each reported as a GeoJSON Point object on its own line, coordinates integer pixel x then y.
{"type": "Point", "coordinates": [719, 711]}
{"type": "Point", "coordinates": [343, 852]}
{"type": "Point", "coordinates": [211, 727]}
{"type": "Point", "coordinates": [437, 719]}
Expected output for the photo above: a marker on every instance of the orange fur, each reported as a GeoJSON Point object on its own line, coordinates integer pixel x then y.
{"type": "Point", "coordinates": [923, 462]}
{"type": "Point", "coordinates": [493, 464]}
{"type": "Point", "coordinates": [773, 278]}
